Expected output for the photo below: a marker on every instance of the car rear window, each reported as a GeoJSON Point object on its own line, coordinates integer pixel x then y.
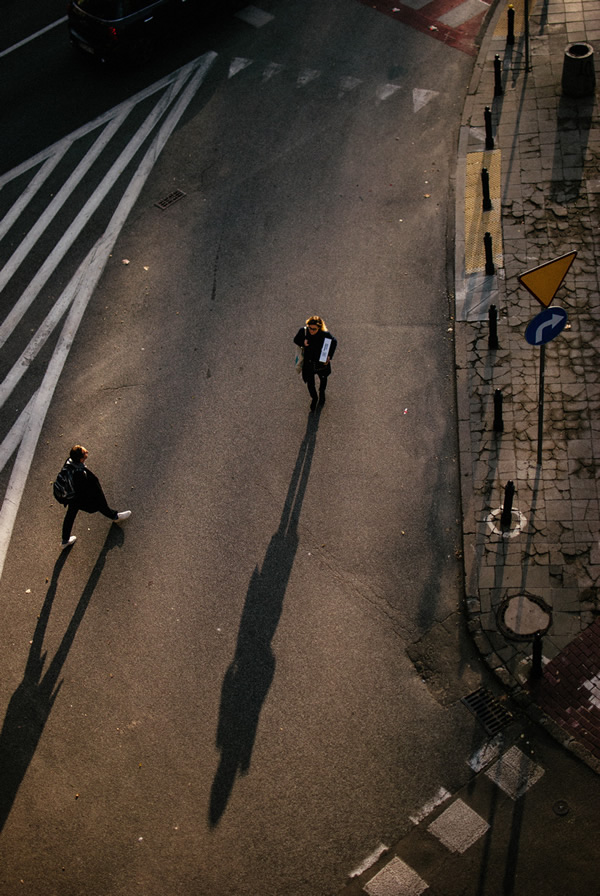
{"type": "Point", "coordinates": [112, 9]}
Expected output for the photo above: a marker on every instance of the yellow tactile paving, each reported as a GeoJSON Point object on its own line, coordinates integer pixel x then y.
{"type": "Point", "coordinates": [477, 221]}
{"type": "Point", "coordinates": [501, 29]}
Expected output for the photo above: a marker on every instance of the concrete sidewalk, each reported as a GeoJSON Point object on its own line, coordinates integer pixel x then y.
{"type": "Point", "coordinates": [538, 569]}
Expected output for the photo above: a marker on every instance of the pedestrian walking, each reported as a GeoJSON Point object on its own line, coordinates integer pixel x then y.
{"type": "Point", "coordinates": [88, 495]}
{"type": "Point", "coordinates": [318, 346]}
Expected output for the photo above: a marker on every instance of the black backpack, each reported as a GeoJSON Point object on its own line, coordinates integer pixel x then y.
{"type": "Point", "coordinates": [64, 485]}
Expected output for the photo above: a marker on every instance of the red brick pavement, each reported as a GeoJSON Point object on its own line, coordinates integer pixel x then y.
{"type": "Point", "coordinates": [569, 690]}
{"type": "Point", "coordinates": [426, 19]}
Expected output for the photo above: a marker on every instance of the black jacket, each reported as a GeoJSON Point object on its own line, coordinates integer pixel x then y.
{"type": "Point", "coordinates": [312, 351]}
{"type": "Point", "coordinates": [88, 491]}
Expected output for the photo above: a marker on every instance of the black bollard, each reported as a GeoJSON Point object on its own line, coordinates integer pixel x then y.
{"type": "Point", "coordinates": [536, 657]}
{"type": "Point", "coordinates": [485, 186]}
{"type": "Point", "coordinates": [489, 256]}
{"type": "Point", "coordinates": [509, 493]}
{"type": "Point", "coordinates": [498, 421]}
{"type": "Point", "coordinates": [489, 140]}
{"type": "Point", "coordinates": [493, 332]}
{"type": "Point", "coordinates": [498, 89]}
{"type": "Point", "coordinates": [510, 37]}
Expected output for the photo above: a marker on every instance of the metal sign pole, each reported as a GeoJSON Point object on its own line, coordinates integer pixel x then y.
{"type": "Point", "coordinates": [541, 405]}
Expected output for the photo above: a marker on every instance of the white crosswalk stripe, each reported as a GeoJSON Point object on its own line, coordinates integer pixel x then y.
{"type": "Point", "coordinates": [25, 432]}
{"type": "Point", "coordinates": [170, 97]}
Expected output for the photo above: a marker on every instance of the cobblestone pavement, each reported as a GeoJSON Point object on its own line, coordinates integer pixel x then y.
{"type": "Point", "coordinates": [536, 567]}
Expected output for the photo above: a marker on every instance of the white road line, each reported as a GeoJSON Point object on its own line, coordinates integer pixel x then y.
{"type": "Point", "coordinates": [82, 218]}
{"type": "Point", "coordinates": [61, 197]}
{"type": "Point", "coordinates": [85, 129]}
{"type": "Point", "coordinates": [13, 438]}
{"type": "Point", "coordinates": [32, 188]}
{"type": "Point", "coordinates": [91, 269]}
{"type": "Point", "coordinates": [31, 37]}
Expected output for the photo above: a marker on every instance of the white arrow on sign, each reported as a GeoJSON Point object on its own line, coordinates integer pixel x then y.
{"type": "Point", "coordinates": [546, 326]}
{"type": "Point", "coordinates": [554, 321]}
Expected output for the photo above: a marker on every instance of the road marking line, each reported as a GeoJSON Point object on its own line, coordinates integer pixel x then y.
{"type": "Point", "coordinates": [90, 272]}
{"type": "Point", "coordinates": [85, 129]}
{"type": "Point", "coordinates": [31, 37]}
{"type": "Point", "coordinates": [13, 438]}
{"type": "Point", "coordinates": [61, 197]}
{"type": "Point", "coordinates": [82, 218]}
{"type": "Point", "coordinates": [422, 97]}
{"type": "Point", "coordinates": [369, 861]}
{"type": "Point", "coordinates": [470, 9]}
{"type": "Point", "coordinates": [254, 16]}
{"type": "Point", "coordinates": [238, 65]}
{"type": "Point", "coordinates": [386, 91]}
{"type": "Point", "coordinates": [32, 188]}
{"type": "Point", "coordinates": [440, 797]}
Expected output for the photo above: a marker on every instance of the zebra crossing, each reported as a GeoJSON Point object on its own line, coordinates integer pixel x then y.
{"type": "Point", "coordinates": [456, 823]}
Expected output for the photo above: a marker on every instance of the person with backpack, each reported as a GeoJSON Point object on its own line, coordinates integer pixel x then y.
{"type": "Point", "coordinates": [79, 489]}
{"type": "Point", "coordinates": [318, 346]}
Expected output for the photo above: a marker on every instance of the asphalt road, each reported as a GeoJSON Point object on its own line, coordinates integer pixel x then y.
{"type": "Point", "coordinates": [217, 697]}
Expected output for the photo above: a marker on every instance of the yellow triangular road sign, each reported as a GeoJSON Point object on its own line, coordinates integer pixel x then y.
{"type": "Point", "coordinates": [544, 281]}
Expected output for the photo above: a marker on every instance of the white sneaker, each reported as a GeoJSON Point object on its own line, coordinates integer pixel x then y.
{"type": "Point", "coordinates": [67, 544]}
{"type": "Point", "coordinates": [124, 515]}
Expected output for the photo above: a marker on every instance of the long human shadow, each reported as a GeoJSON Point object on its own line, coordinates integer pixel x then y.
{"type": "Point", "coordinates": [250, 673]}
{"type": "Point", "coordinates": [31, 704]}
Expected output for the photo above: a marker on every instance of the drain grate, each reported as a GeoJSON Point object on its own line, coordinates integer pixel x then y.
{"type": "Point", "coordinates": [489, 712]}
{"type": "Point", "coordinates": [170, 199]}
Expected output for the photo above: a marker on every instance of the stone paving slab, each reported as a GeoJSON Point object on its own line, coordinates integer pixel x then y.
{"type": "Point", "coordinates": [548, 145]}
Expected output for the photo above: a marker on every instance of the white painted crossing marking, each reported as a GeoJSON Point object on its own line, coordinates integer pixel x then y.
{"type": "Point", "coordinates": [254, 16]}
{"type": "Point", "coordinates": [40, 178]}
{"type": "Point", "coordinates": [515, 773]}
{"type": "Point", "coordinates": [31, 37]}
{"type": "Point", "coordinates": [238, 65]}
{"type": "Point", "coordinates": [458, 827]}
{"type": "Point", "coordinates": [272, 69]}
{"type": "Point", "coordinates": [306, 76]}
{"type": "Point", "coordinates": [81, 288]}
{"type": "Point", "coordinates": [370, 860]}
{"type": "Point", "coordinates": [348, 84]}
{"type": "Point", "coordinates": [422, 97]}
{"type": "Point", "coordinates": [386, 91]}
{"type": "Point", "coordinates": [440, 797]}
{"type": "Point", "coordinates": [456, 17]}
{"type": "Point", "coordinates": [53, 260]}
{"type": "Point", "coordinates": [61, 197]}
{"type": "Point", "coordinates": [396, 879]}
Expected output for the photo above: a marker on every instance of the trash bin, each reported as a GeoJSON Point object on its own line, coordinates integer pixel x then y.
{"type": "Point", "coordinates": [579, 76]}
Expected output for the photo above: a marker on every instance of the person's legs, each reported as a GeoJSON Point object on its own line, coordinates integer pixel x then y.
{"type": "Point", "coordinates": [68, 521]}
{"type": "Point", "coordinates": [322, 388]}
{"type": "Point", "coordinates": [104, 509]}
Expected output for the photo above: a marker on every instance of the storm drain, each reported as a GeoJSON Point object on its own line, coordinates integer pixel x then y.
{"type": "Point", "coordinates": [488, 711]}
{"type": "Point", "coordinates": [170, 199]}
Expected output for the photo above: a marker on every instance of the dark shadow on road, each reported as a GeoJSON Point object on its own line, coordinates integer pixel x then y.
{"type": "Point", "coordinates": [249, 676]}
{"type": "Point", "coordinates": [32, 702]}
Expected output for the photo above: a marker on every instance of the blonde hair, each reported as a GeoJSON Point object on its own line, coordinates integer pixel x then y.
{"type": "Point", "coordinates": [315, 319]}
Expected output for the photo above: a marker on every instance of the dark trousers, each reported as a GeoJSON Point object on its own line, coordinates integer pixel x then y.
{"type": "Point", "coordinates": [308, 375]}
{"type": "Point", "coordinates": [73, 509]}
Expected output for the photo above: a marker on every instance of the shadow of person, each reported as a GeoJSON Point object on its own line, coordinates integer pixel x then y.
{"type": "Point", "coordinates": [30, 705]}
{"type": "Point", "coordinates": [249, 676]}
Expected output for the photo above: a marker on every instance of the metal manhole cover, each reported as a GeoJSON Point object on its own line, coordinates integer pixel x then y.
{"type": "Point", "coordinates": [170, 199]}
{"type": "Point", "coordinates": [488, 711]}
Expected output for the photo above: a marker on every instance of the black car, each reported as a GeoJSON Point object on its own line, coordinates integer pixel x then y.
{"type": "Point", "coordinates": [128, 29]}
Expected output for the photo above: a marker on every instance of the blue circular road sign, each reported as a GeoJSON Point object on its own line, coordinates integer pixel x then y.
{"type": "Point", "coordinates": [546, 326]}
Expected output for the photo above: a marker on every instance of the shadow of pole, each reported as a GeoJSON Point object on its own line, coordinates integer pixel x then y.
{"type": "Point", "coordinates": [249, 676]}
{"type": "Point", "coordinates": [30, 705]}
